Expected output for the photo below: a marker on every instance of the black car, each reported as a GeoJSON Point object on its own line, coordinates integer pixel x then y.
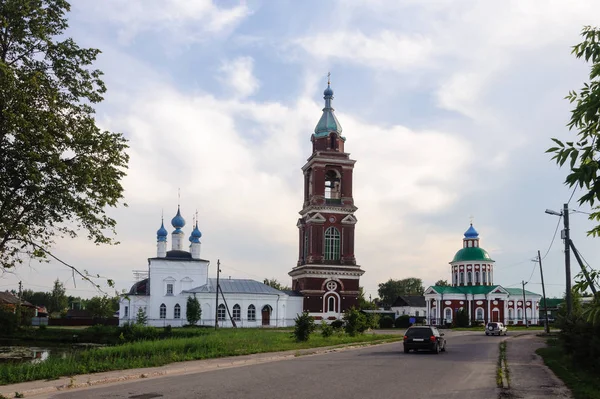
{"type": "Point", "coordinates": [424, 338]}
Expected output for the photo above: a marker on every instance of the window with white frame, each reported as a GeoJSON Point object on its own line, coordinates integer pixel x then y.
{"type": "Point", "coordinates": [221, 312]}
{"type": "Point", "coordinates": [479, 314]}
{"type": "Point", "coordinates": [170, 289]}
{"type": "Point", "coordinates": [476, 277]}
{"type": "Point", "coordinates": [511, 314]}
{"type": "Point", "coordinates": [237, 312]}
{"type": "Point", "coordinates": [331, 304]}
{"type": "Point", "coordinates": [448, 314]}
{"type": "Point", "coordinates": [462, 278]}
{"type": "Point", "coordinates": [469, 278]}
{"type": "Point", "coordinates": [163, 311]}
{"type": "Point", "coordinates": [126, 311]}
{"type": "Point", "coordinates": [251, 313]}
{"type": "Point", "coordinates": [305, 245]}
{"type": "Point", "coordinates": [519, 314]}
{"type": "Point", "coordinates": [177, 312]}
{"type": "Point", "coordinates": [528, 313]}
{"type": "Point", "coordinates": [455, 278]}
{"type": "Point", "coordinates": [490, 276]}
{"type": "Point", "coordinates": [483, 275]}
{"type": "Point", "coordinates": [332, 244]}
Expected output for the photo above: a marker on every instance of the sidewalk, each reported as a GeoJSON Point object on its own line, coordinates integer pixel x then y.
{"type": "Point", "coordinates": [40, 387]}
{"type": "Point", "coordinates": [529, 377]}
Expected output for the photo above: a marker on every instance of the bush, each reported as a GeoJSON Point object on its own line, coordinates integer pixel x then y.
{"type": "Point", "coordinates": [373, 320]}
{"type": "Point", "coordinates": [8, 321]}
{"type": "Point", "coordinates": [193, 311]}
{"type": "Point", "coordinates": [141, 318]}
{"type": "Point", "coordinates": [355, 322]}
{"type": "Point", "coordinates": [326, 329]}
{"type": "Point", "coordinates": [386, 322]}
{"type": "Point", "coordinates": [337, 325]}
{"type": "Point", "coordinates": [137, 332]}
{"type": "Point", "coordinates": [402, 321]}
{"type": "Point", "coordinates": [462, 318]}
{"type": "Point", "coordinates": [305, 325]}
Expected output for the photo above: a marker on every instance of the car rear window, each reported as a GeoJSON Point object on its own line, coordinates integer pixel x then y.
{"type": "Point", "coordinates": [419, 332]}
{"type": "Point", "coordinates": [493, 325]}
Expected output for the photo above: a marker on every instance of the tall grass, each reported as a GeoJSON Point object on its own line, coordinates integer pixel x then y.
{"type": "Point", "coordinates": [211, 344]}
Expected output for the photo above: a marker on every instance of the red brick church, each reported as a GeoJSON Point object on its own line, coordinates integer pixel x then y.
{"type": "Point", "coordinates": [326, 273]}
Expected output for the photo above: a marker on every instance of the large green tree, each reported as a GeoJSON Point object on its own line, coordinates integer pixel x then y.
{"type": "Point", "coordinates": [392, 289]}
{"type": "Point", "coordinates": [193, 310]}
{"type": "Point", "coordinates": [442, 283]}
{"type": "Point", "coordinates": [272, 282]}
{"type": "Point", "coordinates": [58, 171]}
{"type": "Point", "coordinates": [58, 298]}
{"type": "Point", "coordinates": [102, 306]}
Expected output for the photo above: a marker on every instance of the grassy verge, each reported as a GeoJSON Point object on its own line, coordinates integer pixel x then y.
{"type": "Point", "coordinates": [502, 372]}
{"type": "Point", "coordinates": [212, 344]}
{"type": "Point", "coordinates": [585, 384]}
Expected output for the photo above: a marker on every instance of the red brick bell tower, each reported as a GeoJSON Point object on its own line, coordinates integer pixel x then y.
{"type": "Point", "coordinates": [326, 273]}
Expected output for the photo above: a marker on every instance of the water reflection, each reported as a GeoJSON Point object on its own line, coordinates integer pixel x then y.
{"type": "Point", "coordinates": [31, 354]}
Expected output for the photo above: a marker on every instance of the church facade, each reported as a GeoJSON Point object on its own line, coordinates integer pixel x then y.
{"type": "Point", "coordinates": [473, 288]}
{"type": "Point", "coordinates": [326, 273]}
{"type": "Point", "coordinates": [177, 274]}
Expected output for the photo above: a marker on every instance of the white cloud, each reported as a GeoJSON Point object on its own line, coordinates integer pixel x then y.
{"type": "Point", "coordinates": [238, 75]}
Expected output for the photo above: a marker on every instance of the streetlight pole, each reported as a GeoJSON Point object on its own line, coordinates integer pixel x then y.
{"type": "Point", "coordinates": [544, 293]}
{"type": "Point", "coordinates": [525, 305]}
{"type": "Point", "coordinates": [567, 238]}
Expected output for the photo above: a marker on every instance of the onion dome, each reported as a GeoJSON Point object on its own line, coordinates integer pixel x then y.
{"type": "Point", "coordinates": [328, 122]}
{"type": "Point", "coordinates": [472, 254]}
{"type": "Point", "coordinates": [178, 221]}
{"type": "Point", "coordinates": [471, 232]}
{"type": "Point", "coordinates": [196, 235]}
{"type": "Point", "coordinates": [161, 234]}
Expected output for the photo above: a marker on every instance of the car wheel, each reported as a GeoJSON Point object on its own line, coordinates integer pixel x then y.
{"type": "Point", "coordinates": [406, 350]}
{"type": "Point", "coordinates": [436, 349]}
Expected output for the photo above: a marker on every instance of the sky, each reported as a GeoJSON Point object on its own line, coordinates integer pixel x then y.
{"type": "Point", "coordinates": [447, 106]}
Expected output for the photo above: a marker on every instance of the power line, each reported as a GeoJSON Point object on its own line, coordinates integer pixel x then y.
{"type": "Point", "coordinates": [553, 237]}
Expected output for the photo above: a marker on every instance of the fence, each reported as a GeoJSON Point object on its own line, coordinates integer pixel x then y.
{"type": "Point", "coordinates": [88, 321]}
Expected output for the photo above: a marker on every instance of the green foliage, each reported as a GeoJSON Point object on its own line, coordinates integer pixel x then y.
{"type": "Point", "coordinates": [305, 325]}
{"type": "Point", "coordinates": [461, 318]}
{"type": "Point", "coordinates": [326, 329]}
{"type": "Point", "coordinates": [138, 332]}
{"type": "Point", "coordinates": [392, 289]}
{"type": "Point", "coordinates": [355, 322]}
{"type": "Point", "coordinates": [442, 283]}
{"type": "Point", "coordinates": [141, 318]}
{"type": "Point", "coordinates": [193, 311]}
{"type": "Point", "coordinates": [363, 304]}
{"type": "Point", "coordinates": [8, 321]}
{"type": "Point", "coordinates": [337, 324]}
{"type": "Point", "coordinates": [36, 298]}
{"type": "Point", "coordinates": [386, 322]}
{"type": "Point", "coordinates": [275, 284]}
{"type": "Point", "coordinates": [402, 321]}
{"type": "Point", "coordinates": [58, 298]}
{"type": "Point", "coordinates": [59, 170]}
{"type": "Point", "coordinates": [102, 306]}
{"type": "Point", "coordinates": [372, 320]}
{"type": "Point", "coordinates": [582, 153]}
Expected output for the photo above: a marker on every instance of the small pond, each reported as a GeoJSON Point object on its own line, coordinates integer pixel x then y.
{"type": "Point", "coordinates": [30, 352]}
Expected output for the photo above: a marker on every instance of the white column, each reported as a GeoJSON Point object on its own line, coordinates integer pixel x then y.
{"type": "Point", "coordinates": [514, 311]}
{"type": "Point", "coordinates": [488, 317]}
{"type": "Point", "coordinates": [438, 311]}
{"type": "Point", "coordinates": [428, 310]}
{"type": "Point", "coordinates": [469, 305]}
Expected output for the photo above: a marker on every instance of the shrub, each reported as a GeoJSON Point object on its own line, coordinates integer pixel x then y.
{"type": "Point", "coordinates": [141, 318]}
{"type": "Point", "coordinates": [372, 320]}
{"type": "Point", "coordinates": [337, 324]}
{"type": "Point", "coordinates": [193, 311]}
{"type": "Point", "coordinates": [168, 331]}
{"type": "Point", "coordinates": [462, 318]}
{"type": "Point", "coordinates": [8, 321]}
{"type": "Point", "coordinates": [305, 325]}
{"type": "Point", "coordinates": [355, 322]}
{"type": "Point", "coordinates": [326, 329]}
{"type": "Point", "coordinates": [137, 332]}
{"type": "Point", "coordinates": [386, 322]}
{"type": "Point", "coordinates": [402, 321]}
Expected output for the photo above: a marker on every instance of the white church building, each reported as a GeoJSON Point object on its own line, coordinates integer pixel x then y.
{"type": "Point", "coordinates": [173, 276]}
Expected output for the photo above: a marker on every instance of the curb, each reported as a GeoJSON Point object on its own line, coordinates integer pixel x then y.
{"type": "Point", "coordinates": [179, 368]}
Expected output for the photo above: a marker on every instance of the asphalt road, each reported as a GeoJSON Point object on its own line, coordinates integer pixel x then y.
{"type": "Point", "coordinates": [466, 370]}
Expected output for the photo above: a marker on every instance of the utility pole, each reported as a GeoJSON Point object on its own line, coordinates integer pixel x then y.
{"type": "Point", "coordinates": [19, 305]}
{"type": "Point", "coordinates": [547, 328]}
{"type": "Point", "coordinates": [583, 269]}
{"type": "Point", "coordinates": [217, 295]}
{"type": "Point", "coordinates": [524, 304]}
{"type": "Point", "coordinates": [567, 239]}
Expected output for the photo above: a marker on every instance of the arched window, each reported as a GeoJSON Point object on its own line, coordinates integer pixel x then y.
{"type": "Point", "coordinates": [519, 314]}
{"type": "Point", "coordinates": [163, 311]}
{"type": "Point", "coordinates": [251, 313]}
{"type": "Point", "coordinates": [484, 274]}
{"type": "Point", "coordinates": [305, 246]}
{"type": "Point", "coordinates": [479, 314]}
{"type": "Point", "coordinates": [177, 312]}
{"type": "Point", "coordinates": [462, 278]}
{"type": "Point", "coordinates": [455, 278]}
{"type": "Point", "coordinates": [237, 312]}
{"type": "Point", "coordinates": [511, 313]}
{"type": "Point", "coordinates": [331, 304]}
{"type": "Point", "coordinates": [469, 278]}
{"type": "Point", "coordinates": [528, 313]}
{"type": "Point", "coordinates": [490, 277]}
{"type": "Point", "coordinates": [448, 314]}
{"type": "Point", "coordinates": [332, 185]}
{"type": "Point", "coordinates": [476, 277]}
{"type": "Point", "coordinates": [332, 244]}
{"type": "Point", "coordinates": [221, 312]}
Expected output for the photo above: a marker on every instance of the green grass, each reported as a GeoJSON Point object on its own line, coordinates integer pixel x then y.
{"type": "Point", "coordinates": [212, 344]}
{"type": "Point", "coordinates": [584, 384]}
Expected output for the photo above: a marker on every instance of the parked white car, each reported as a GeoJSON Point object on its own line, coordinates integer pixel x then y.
{"type": "Point", "coordinates": [494, 328]}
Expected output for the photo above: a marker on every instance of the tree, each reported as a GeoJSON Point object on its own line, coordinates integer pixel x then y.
{"type": "Point", "coordinates": [392, 289]}
{"type": "Point", "coordinates": [442, 283]}
{"type": "Point", "coordinates": [102, 306]}
{"type": "Point", "coordinates": [275, 284]}
{"type": "Point", "coordinates": [36, 298]}
{"type": "Point", "coordinates": [58, 298]}
{"type": "Point", "coordinates": [583, 152]}
{"type": "Point", "coordinates": [193, 311]}
{"type": "Point", "coordinates": [59, 170]}
{"type": "Point", "coordinates": [141, 317]}
{"type": "Point", "coordinates": [362, 301]}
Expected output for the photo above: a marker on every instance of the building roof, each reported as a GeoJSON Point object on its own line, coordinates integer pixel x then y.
{"type": "Point", "coordinates": [519, 291]}
{"type": "Point", "coordinates": [417, 301]}
{"type": "Point", "coordinates": [141, 287]}
{"type": "Point", "coordinates": [552, 302]}
{"type": "Point", "coordinates": [478, 290]}
{"type": "Point", "coordinates": [7, 298]}
{"type": "Point", "coordinates": [236, 286]}
{"type": "Point", "coordinates": [472, 253]}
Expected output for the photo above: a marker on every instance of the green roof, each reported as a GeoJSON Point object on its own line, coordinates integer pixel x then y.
{"type": "Point", "coordinates": [479, 289]}
{"type": "Point", "coordinates": [472, 253]}
{"type": "Point", "coordinates": [552, 302]}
